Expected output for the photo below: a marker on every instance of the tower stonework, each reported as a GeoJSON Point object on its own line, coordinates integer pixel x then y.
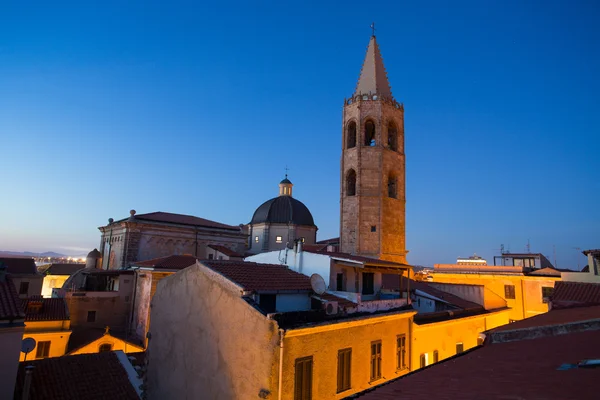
{"type": "Point", "coordinates": [372, 195]}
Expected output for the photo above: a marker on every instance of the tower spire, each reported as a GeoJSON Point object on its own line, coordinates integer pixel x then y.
{"type": "Point", "coordinates": [373, 78]}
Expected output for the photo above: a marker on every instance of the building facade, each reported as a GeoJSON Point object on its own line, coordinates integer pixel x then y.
{"type": "Point", "coordinates": [372, 198]}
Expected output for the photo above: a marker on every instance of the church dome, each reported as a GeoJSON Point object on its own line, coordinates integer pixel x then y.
{"type": "Point", "coordinates": [286, 180]}
{"type": "Point", "coordinates": [283, 210]}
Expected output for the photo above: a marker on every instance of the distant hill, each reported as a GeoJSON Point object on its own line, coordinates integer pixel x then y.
{"type": "Point", "coordinates": [30, 254]}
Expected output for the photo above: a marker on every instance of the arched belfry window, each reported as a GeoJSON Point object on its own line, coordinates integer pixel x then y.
{"type": "Point", "coordinates": [369, 133]}
{"type": "Point", "coordinates": [392, 186]}
{"type": "Point", "coordinates": [351, 183]}
{"type": "Point", "coordinates": [392, 137]}
{"type": "Point", "coordinates": [351, 135]}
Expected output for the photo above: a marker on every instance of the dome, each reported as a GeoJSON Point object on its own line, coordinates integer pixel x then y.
{"type": "Point", "coordinates": [286, 180]}
{"type": "Point", "coordinates": [95, 254]}
{"type": "Point", "coordinates": [283, 210]}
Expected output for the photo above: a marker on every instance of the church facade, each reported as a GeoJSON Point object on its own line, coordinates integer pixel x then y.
{"type": "Point", "coordinates": [372, 174]}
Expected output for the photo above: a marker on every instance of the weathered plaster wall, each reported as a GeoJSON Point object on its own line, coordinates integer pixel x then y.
{"type": "Point", "coordinates": [35, 284]}
{"type": "Point", "coordinates": [208, 343]}
{"type": "Point", "coordinates": [323, 344]}
{"type": "Point", "coordinates": [10, 347]}
{"type": "Point", "coordinates": [141, 307]}
{"type": "Point", "coordinates": [52, 281]}
{"type": "Point", "coordinates": [110, 310]}
{"type": "Point", "coordinates": [292, 302]}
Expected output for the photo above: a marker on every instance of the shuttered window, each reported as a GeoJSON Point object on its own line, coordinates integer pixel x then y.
{"type": "Point", "coordinates": [43, 349]}
{"type": "Point", "coordinates": [344, 369]}
{"type": "Point", "coordinates": [401, 352]}
{"type": "Point", "coordinates": [303, 379]}
{"type": "Point", "coordinates": [509, 291]}
{"type": "Point", "coordinates": [375, 360]}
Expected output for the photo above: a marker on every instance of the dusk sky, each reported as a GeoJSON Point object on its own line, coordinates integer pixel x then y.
{"type": "Point", "coordinates": [196, 109]}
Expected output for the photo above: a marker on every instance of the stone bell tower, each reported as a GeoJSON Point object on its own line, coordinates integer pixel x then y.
{"type": "Point", "coordinates": [372, 198]}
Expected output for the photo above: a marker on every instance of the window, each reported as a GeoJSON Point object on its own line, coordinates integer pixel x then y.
{"type": "Point", "coordinates": [547, 293]}
{"type": "Point", "coordinates": [268, 302]}
{"type": "Point", "coordinates": [105, 347]}
{"type": "Point", "coordinates": [351, 183]}
{"type": "Point", "coordinates": [210, 256]}
{"type": "Point", "coordinates": [368, 283]}
{"type": "Point", "coordinates": [303, 379]}
{"type": "Point", "coordinates": [369, 133]}
{"type": "Point", "coordinates": [375, 360]}
{"type": "Point", "coordinates": [423, 361]}
{"type": "Point", "coordinates": [278, 239]}
{"type": "Point", "coordinates": [373, 228]}
{"type": "Point", "coordinates": [24, 288]}
{"type": "Point", "coordinates": [459, 348]}
{"type": "Point", "coordinates": [392, 187]}
{"type": "Point", "coordinates": [351, 135]}
{"type": "Point", "coordinates": [509, 291]}
{"type": "Point", "coordinates": [256, 239]}
{"type": "Point", "coordinates": [392, 137]}
{"type": "Point", "coordinates": [340, 282]}
{"type": "Point", "coordinates": [524, 262]}
{"type": "Point", "coordinates": [344, 369]}
{"type": "Point", "coordinates": [436, 356]}
{"type": "Point", "coordinates": [401, 352]}
{"type": "Point", "coordinates": [91, 317]}
{"type": "Point", "coordinates": [43, 349]}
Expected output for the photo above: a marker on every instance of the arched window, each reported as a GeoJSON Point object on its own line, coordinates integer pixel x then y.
{"type": "Point", "coordinates": [105, 347]}
{"type": "Point", "coordinates": [351, 183]}
{"type": "Point", "coordinates": [369, 133]}
{"type": "Point", "coordinates": [351, 135]}
{"type": "Point", "coordinates": [392, 187]}
{"type": "Point", "coordinates": [392, 137]}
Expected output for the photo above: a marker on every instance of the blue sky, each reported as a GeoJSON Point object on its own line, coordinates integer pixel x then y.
{"type": "Point", "coordinates": [196, 109]}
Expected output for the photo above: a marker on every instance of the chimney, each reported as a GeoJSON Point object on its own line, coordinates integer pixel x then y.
{"type": "Point", "coordinates": [27, 384]}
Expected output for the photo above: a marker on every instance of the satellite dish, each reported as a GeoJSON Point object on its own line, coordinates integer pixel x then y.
{"type": "Point", "coordinates": [27, 345]}
{"type": "Point", "coordinates": [318, 283]}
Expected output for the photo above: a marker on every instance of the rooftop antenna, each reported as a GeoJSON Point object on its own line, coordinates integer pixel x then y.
{"type": "Point", "coordinates": [578, 249]}
{"type": "Point", "coordinates": [554, 251]}
{"type": "Point", "coordinates": [501, 249]}
{"type": "Point", "coordinates": [373, 28]}
{"type": "Point", "coordinates": [528, 247]}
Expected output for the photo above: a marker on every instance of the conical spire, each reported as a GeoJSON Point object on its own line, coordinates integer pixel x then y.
{"type": "Point", "coordinates": [373, 78]}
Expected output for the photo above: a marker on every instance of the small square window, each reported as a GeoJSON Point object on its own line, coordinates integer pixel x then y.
{"type": "Point", "coordinates": [509, 292]}
{"type": "Point", "coordinates": [210, 256]}
{"type": "Point", "coordinates": [43, 349]}
{"type": "Point", "coordinates": [23, 287]}
{"type": "Point", "coordinates": [373, 228]}
{"type": "Point", "coordinates": [278, 239]}
{"type": "Point", "coordinates": [256, 239]}
{"type": "Point", "coordinates": [91, 316]}
{"type": "Point", "coordinates": [547, 293]}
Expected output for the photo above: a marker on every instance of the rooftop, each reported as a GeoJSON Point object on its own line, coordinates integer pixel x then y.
{"type": "Point", "coordinates": [38, 308]}
{"type": "Point", "coordinates": [569, 294]}
{"type": "Point", "coordinates": [553, 317]}
{"type": "Point", "coordinates": [168, 262]}
{"type": "Point", "coordinates": [257, 277]}
{"type": "Point", "coordinates": [180, 219]}
{"type": "Point", "coordinates": [515, 370]}
{"type": "Point", "coordinates": [19, 265]}
{"type": "Point", "coordinates": [10, 303]}
{"type": "Point", "coordinates": [63, 269]}
{"type": "Point", "coordinates": [82, 337]}
{"type": "Point", "coordinates": [360, 259]}
{"type": "Point", "coordinates": [97, 376]}
{"type": "Point", "coordinates": [225, 250]}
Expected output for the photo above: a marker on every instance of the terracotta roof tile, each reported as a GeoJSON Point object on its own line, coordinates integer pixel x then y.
{"type": "Point", "coordinates": [568, 294]}
{"type": "Point", "coordinates": [97, 376]}
{"type": "Point", "coordinates": [10, 303]}
{"type": "Point", "coordinates": [38, 308]}
{"type": "Point", "coordinates": [526, 369]}
{"type": "Point", "coordinates": [182, 219]}
{"type": "Point", "coordinates": [360, 259]}
{"type": "Point", "coordinates": [19, 265]}
{"type": "Point", "coordinates": [63, 269]}
{"type": "Point", "coordinates": [260, 277]}
{"type": "Point", "coordinates": [554, 317]}
{"type": "Point", "coordinates": [225, 250]}
{"type": "Point", "coordinates": [168, 262]}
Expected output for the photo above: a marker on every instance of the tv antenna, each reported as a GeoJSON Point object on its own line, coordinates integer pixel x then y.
{"type": "Point", "coordinates": [318, 284]}
{"type": "Point", "coordinates": [27, 345]}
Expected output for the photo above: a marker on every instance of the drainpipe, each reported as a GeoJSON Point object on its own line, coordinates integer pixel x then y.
{"type": "Point", "coordinates": [27, 384]}
{"type": "Point", "coordinates": [280, 388]}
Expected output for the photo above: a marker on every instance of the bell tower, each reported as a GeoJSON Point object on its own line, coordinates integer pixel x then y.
{"type": "Point", "coordinates": [372, 195]}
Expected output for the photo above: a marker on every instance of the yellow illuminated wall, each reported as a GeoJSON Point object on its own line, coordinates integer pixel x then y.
{"type": "Point", "coordinates": [528, 299]}
{"type": "Point", "coordinates": [107, 339]}
{"type": "Point", "coordinates": [55, 332]}
{"type": "Point", "coordinates": [323, 343]}
{"type": "Point", "coordinates": [445, 335]}
{"type": "Point", "coordinates": [52, 281]}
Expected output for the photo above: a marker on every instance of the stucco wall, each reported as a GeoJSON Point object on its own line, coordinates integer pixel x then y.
{"type": "Point", "coordinates": [58, 341]}
{"type": "Point", "coordinates": [110, 310]}
{"type": "Point", "coordinates": [10, 347]}
{"type": "Point", "coordinates": [305, 263]}
{"type": "Point", "coordinates": [141, 307]}
{"type": "Point", "coordinates": [208, 343]}
{"type": "Point", "coordinates": [293, 302]}
{"type": "Point", "coordinates": [52, 281]}
{"type": "Point", "coordinates": [116, 343]}
{"type": "Point", "coordinates": [323, 344]}
{"type": "Point", "coordinates": [35, 284]}
{"type": "Point", "coordinates": [443, 336]}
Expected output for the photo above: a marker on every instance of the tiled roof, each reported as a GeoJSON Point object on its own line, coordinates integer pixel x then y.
{"type": "Point", "coordinates": [54, 309]}
{"type": "Point", "coordinates": [63, 269]}
{"type": "Point", "coordinates": [390, 281]}
{"type": "Point", "coordinates": [97, 376]}
{"type": "Point", "coordinates": [168, 262]}
{"type": "Point", "coordinates": [260, 277]}
{"type": "Point", "coordinates": [283, 210]}
{"type": "Point", "coordinates": [181, 219]}
{"type": "Point", "coordinates": [360, 259]}
{"type": "Point", "coordinates": [568, 294]}
{"type": "Point", "coordinates": [335, 240]}
{"type": "Point", "coordinates": [225, 250]}
{"type": "Point", "coordinates": [314, 248]}
{"type": "Point", "coordinates": [526, 369]}
{"type": "Point", "coordinates": [10, 303]}
{"type": "Point", "coordinates": [553, 317]}
{"type": "Point", "coordinates": [545, 272]}
{"type": "Point", "coordinates": [19, 265]}
{"type": "Point", "coordinates": [83, 337]}
{"type": "Point", "coordinates": [593, 252]}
